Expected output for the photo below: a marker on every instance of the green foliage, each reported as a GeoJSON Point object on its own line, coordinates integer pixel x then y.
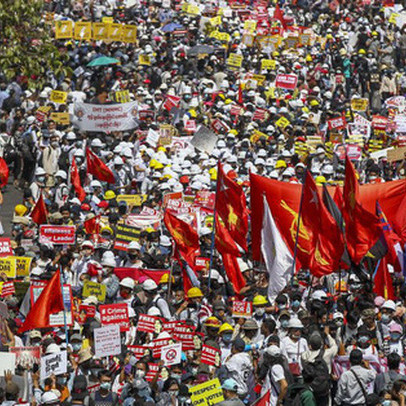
{"type": "Point", "coordinates": [26, 42]}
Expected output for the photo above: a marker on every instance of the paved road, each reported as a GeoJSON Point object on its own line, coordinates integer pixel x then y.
{"type": "Point", "coordinates": [11, 196]}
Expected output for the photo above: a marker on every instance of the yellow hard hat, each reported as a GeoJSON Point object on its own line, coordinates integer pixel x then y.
{"type": "Point", "coordinates": [20, 210]}
{"type": "Point", "coordinates": [193, 113]}
{"type": "Point", "coordinates": [275, 53]}
{"type": "Point", "coordinates": [161, 149]}
{"type": "Point", "coordinates": [158, 166]}
{"type": "Point", "coordinates": [314, 103]}
{"type": "Point", "coordinates": [107, 229]}
{"type": "Point", "coordinates": [109, 194]}
{"type": "Point", "coordinates": [194, 292]}
{"type": "Point", "coordinates": [212, 322]}
{"type": "Point", "coordinates": [309, 58]}
{"type": "Point", "coordinates": [374, 34]}
{"type": "Point", "coordinates": [320, 180]}
{"type": "Point", "coordinates": [329, 36]}
{"type": "Point", "coordinates": [259, 300]}
{"type": "Point", "coordinates": [228, 101]}
{"type": "Point", "coordinates": [152, 163]}
{"type": "Point", "coordinates": [362, 52]}
{"type": "Point", "coordinates": [233, 131]}
{"type": "Point", "coordinates": [226, 327]}
{"type": "Point", "coordinates": [280, 163]}
{"type": "Point", "coordinates": [165, 278]}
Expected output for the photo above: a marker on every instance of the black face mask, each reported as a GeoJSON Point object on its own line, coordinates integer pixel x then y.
{"type": "Point", "coordinates": [132, 256]}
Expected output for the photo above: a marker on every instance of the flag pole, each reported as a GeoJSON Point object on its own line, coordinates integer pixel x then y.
{"type": "Point", "coordinates": [64, 309]}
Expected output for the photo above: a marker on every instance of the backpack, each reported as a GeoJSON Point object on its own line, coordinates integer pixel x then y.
{"type": "Point", "coordinates": [388, 382]}
{"type": "Point", "coordinates": [321, 382]}
{"type": "Point", "coordinates": [294, 397]}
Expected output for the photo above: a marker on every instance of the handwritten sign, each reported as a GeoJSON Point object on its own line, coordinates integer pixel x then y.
{"type": "Point", "coordinates": [53, 364]}
{"type": "Point", "coordinates": [94, 289]}
{"type": "Point", "coordinates": [107, 341]}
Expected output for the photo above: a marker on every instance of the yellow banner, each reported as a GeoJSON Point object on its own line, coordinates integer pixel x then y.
{"type": "Point", "coordinates": [359, 104]}
{"type": "Point", "coordinates": [23, 265]}
{"type": "Point", "coordinates": [83, 31]}
{"type": "Point", "coordinates": [115, 32]}
{"type": "Point", "coordinates": [129, 34]}
{"type": "Point", "coordinates": [100, 31]}
{"type": "Point", "coordinates": [132, 200]}
{"type": "Point", "coordinates": [94, 289]}
{"type": "Point", "coordinates": [283, 122]}
{"type": "Point", "coordinates": [268, 64]}
{"type": "Point", "coordinates": [235, 60]}
{"type": "Point", "coordinates": [8, 267]}
{"type": "Point", "coordinates": [257, 135]}
{"type": "Point", "coordinates": [144, 60]}
{"type": "Point", "coordinates": [208, 393]}
{"type": "Point", "coordinates": [60, 118]}
{"type": "Point", "coordinates": [58, 97]}
{"type": "Point", "coordinates": [63, 29]}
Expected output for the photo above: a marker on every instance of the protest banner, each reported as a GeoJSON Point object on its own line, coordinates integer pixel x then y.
{"type": "Point", "coordinates": [63, 29]}
{"type": "Point", "coordinates": [107, 341]}
{"type": "Point", "coordinates": [206, 199]}
{"type": "Point", "coordinates": [23, 265]}
{"type": "Point", "coordinates": [83, 31]}
{"type": "Point", "coordinates": [210, 356]}
{"type": "Point", "coordinates": [58, 97]}
{"type": "Point", "coordinates": [58, 235]}
{"type": "Point", "coordinates": [124, 235]}
{"type": "Point", "coordinates": [234, 60]}
{"type": "Point", "coordinates": [337, 123]}
{"type": "Point", "coordinates": [7, 362]}
{"type": "Point", "coordinates": [136, 273]}
{"type": "Point", "coordinates": [202, 263]}
{"type": "Point", "coordinates": [242, 309]}
{"type": "Point", "coordinates": [100, 31]}
{"type": "Point", "coordinates": [171, 354]}
{"type": "Point", "coordinates": [53, 364]}
{"type": "Point", "coordinates": [396, 154]}
{"type": "Point", "coordinates": [94, 289]}
{"type": "Point", "coordinates": [358, 104]}
{"type": "Point", "coordinates": [149, 324]}
{"type": "Point", "coordinates": [129, 33]}
{"type": "Point", "coordinates": [288, 82]}
{"type": "Point", "coordinates": [26, 357]}
{"type": "Point", "coordinates": [282, 122]}
{"type": "Point", "coordinates": [204, 140]}
{"type": "Point", "coordinates": [85, 312]}
{"type": "Point", "coordinates": [105, 118]}
{"type": "Point", "coordinates": [207, 393]}
{"type": "Point", "coordinates": [132, 200]}
{"type": "Point", "coordinates": [5, 247]}
{"type": "Point", "coordinates": [268, 64]}
{"type": "Point", "coordinates": [42, 113]}
{"type": "Point", "coordinates": [7, 289]}
{"type": "Point", "coordinates": [116, 313]}
{"type": "Point", "coordinates": [60, 118]}
{"type": "Point", "coordinates": [8, 267]}
{"type": "Point", "coordinates": [169, 326]}
{"type": "Point", "coordinates": [158, 343]}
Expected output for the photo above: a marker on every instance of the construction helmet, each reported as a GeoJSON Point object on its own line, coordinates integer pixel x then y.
{"type": "Point", "coordinates": [20, 210]}
{"type": "Point", "coordinates": [109, 195]}
{"type": "Point", "coordinates": [212, 322]}
{"type": "Point", "coordinates": [280, 163]}
{"type": "Point", "coordinates": [194, 292]}
{"type": "Point", "coordinates": [165, 278]}
{"type": "Point", "coordinates": [259, 300]}
{"type": "Point", "coordinates": [320, 180]}
{"type": "Point", "coordinates": [226, 327]}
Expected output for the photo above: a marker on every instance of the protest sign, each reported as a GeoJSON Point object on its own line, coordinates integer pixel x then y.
{"type": "Point", "coordinates": [149, 324]}
{"type": "Point", "coordinates": [5, 247]}
{"type": "Point", "coordinates": [202, 263]}
{"type": "Point", "coordinates": [358, 104]}
{"type": "Point", "coordinates": [7, 362]}
{"type": "Point", "coordinates": [83, 31]}
{"type": "Point", "coordinates": [58, 97]}
{"type": "Point", "coordinates": [144, 60]}
{"type": "Point", "coordinates": [158, 343]}
{"type": "Point", "coordinates": [26, 357]}
{"type": "Point", "coordinates": [268, 64]}
{"type": "Point", "coordinates": [116, 313]}
{"type": "Point", "coordinates": [100, 31]}
{"type": "Point", "coordinates": [105, 118]}
{"type": "Point", "coordinates": [204, 140]}
{"type": "Point", "coordinates": [60, 118]}
{"type": "Point", "coordinates": [63, 29]}
{"type": "Point", "coordinates": [171, 354]}
{"type": "Point", "coordinates": [85, 312]}
{"type": "Point", "coordinates": [207, 393]}
{"type": "Point", "coordinates": [107, 341]}
{"type": "Point", "coordinates": [242, 309]}
{"type": "Point", "coordinates": [234, 60]}
{"type": "Point", "coordinates": [53, 364]}
{"type": "Point", "coordinates": [129, 33]}
{"type": "Point", "coordinates": [132, 200]}
{"type": "Point", "coordinates": [94, 289]}
{"type": "Point", "coordinates": [124, 235]}
{"type": "Point", "coordinates": [282, 122]}
{"type": "Point", "coordinates": [337, 123]}
{"type": "Point", "coordinates": [288, 82]}
{"type": "Point", "coordinates": [58, 235]}
{"type": "Point", "coordinates": [190, 340]}
{"type": "Point", "coordinates": [8, 266]}
{"type": "Point", "coordinates": [23, 265]}
{"type": "Point", "coordinates": [210, 356]}
{"type": "Point", "coordinates": [136, 273]}
{"type": "Point", "coordinates": [7, 289]}
{"type": "Point", "coordinates": [396, 154]}
{"type": "Point", "coordinates": [206, 199]}
{"type": "Point", "coordinates": [115, 30]}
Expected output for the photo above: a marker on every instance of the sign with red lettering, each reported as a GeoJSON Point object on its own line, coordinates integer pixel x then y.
{"type": "Point", "coordinates": [205, 199]}
{"type": "Point", "coordinates": [5, 247]}
{"type": "Point", "coordinates": [115, 314]}
{"type": "Point", "coordinates": [337, 123]}
{"type": "Point", "coordinates": [242, 309]}
{"type": "Point", "coordinates": [210, 356]}
{"type": "Point", "coordinates": [153, 369]}
{"type": "Point", "coordinates": [158, 344]}
{"type": "Point", "coordinates": [379, 122]}
{"type": "Point", "coordinates": [139, 351]}
{"type": "Point", "coordinates": [288, 82]}
{"type": "Point", "coordinates": [190, 341]}
{"type": "Point", "coordinates": [58, 235]}
{"type": "Point", "coordinates": [85, 312]}
{"type": "Point", "coordinates": [202, 263]}
{"type": "Point", "coordinates": [8, 289]}
{"type": "Point", "coordinates": [169, 326]}
{"type": "Point", "coordinates": [149, 324]}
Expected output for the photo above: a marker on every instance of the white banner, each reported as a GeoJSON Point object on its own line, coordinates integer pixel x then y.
{"type": "Point", "coordinates": [104, 117]}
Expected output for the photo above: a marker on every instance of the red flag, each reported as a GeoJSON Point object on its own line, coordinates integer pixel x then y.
{"type": "Point", "coordinates": [278, 15]}
{"type": "Point", "coordinates": [399, 222]}
{"type": "Point", "coordinates": [326, 240]}
{"type": "Point", "coordinates": [98, 168]}
{"type": "Point", "coordinates": [4, 172]}
{"type": "Point", "coordinates": [264, 401]}
{"type": "Point", "coordinates": [338, 198]}
{"type": "Point", "coordinates": [240, 97]}
{"type": "Point", "coordinates": [224, 242]}
{"type": "Point", "coordinates": [92, 226]}
{"type": "Point", "coordinates": [49, 302]}
{"type": "Point", "coordinates": [171, 102]}
{"type": "Point", "coordinates": [383, 281]}
{"type": "Point", "coordinates": [39, 212]}
{"type": "Point", "coordinates": [231, 207]}
{"type": "Point", "coordinates": [75, 181]}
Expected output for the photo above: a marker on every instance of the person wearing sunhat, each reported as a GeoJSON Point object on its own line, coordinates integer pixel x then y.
{"type": "Point", "coordinates": [230, 387]}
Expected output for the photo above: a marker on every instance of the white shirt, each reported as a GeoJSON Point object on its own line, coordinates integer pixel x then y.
{"type": "Point", "coordinates": [293, 350]}
{"type": "Point", "coordinates": [240, 367]}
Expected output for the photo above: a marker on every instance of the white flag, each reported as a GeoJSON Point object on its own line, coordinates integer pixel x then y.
{"type": "Point", "coordinates": [277, 257]}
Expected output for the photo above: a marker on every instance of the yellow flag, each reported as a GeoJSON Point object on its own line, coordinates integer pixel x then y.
{"type": "Point", "coordinates": [115, 32]}
{"type": "Point", "coordinates": [100, 31]}
{"type": "Point", "coordinates": [83, 31]}
{"type": "Point", "coordinates": [63, 29]}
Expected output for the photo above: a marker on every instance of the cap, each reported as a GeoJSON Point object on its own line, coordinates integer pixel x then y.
{"type": "Point", "coordinates": [273, 350]}
{"type": "Point", "coordinates": [149, 285]}
{"type": "Point", "coordinates": [230, 384]}
{"type": "Point", "coordinates": [250, 324]}
{"type": "Point", "coordinates": [127, 283]}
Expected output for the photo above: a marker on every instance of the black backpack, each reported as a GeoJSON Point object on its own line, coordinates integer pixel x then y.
{"type": "Point", "coordinates": [293, 397]}
{"type": "Point", "coordinates": [321, 382]}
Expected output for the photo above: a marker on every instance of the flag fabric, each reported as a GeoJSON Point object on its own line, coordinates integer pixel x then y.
{"type": "Point", "coordinates": [4, 173]}
{"type": "Point", "coordinates": [278, 14]}
{"type": "Point", "coordinates": [276, 254]}
{"type": "Point", "coordinates": [39, 212]}
{"type": "Point", "coordinates": [264, 400]}
{"type": "Point", "coordinates": [223, 240]}
{"type": "Point", "coordinates": [171, 102]}
{"type": "Point", "coordinates": [75, 181]}
{"type": "Point", "coordinates": [399, 222]}
{"type": "Point", "coordinates": [362, 228]}
{"type": "Point", "coordinates": [240, 96]}
{"type": "Point", "coordinates": [98, 168]}
{"type": "Point", "coordinates": [383, 281]}
{"type": "Point", "coordinates": [49, 302]}
{"type": "Point", "coordinates": [231, 207]}
{"type": "Point", "coordinates": [326, 239]}
{"type": "Point", "coordinates": [92, 225]}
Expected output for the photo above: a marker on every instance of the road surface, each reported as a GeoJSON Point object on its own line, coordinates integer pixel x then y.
{"type": "Point", "coordinates": [11, 197]}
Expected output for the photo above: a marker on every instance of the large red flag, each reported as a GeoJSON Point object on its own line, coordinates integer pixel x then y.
{"type": "Point", "coordinates": [399, 222]}
{"type": "Point", "coordinates": [229, 252]}
{"type": "Point", "coordinates": [92, 225]}
{"type": "Point", "coordinates": [383, 281]}
{"type": "Point", "coordinates": [362, 228]}
{"type": "Point", "coordinates": [4, 172]}
{"type": "Point", "coordinates": [98, 168]}
{"type": "Point", "coordinates": [326, 239]}
{"type": "Point", "coordinates": [75, 181]}
{"type": "Point", "coordinates": [278, 14]}
{"type": "Point", "coordinates": [39, 212]}
{"type": "Point", "coordinates": [49, 302]}
{"type": "Point", "coordinates": [231, 207]}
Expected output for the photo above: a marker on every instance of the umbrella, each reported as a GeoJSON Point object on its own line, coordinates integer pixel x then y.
{"type": "Point", "coordinates": [102, 61]}
{"type": "Point", "coordinates": [201, 49]}
{"type": "Point", "coordinates": [171, 27]}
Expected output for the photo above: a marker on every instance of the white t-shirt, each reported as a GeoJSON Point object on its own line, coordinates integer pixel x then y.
{"type": "Point", "coordinates": [277, 374]}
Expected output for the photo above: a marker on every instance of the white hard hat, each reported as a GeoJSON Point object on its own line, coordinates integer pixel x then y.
{"type": "Point", "coordinates": [118, 161]}
{"type": "Point", "coordinates": [389, 304]}
{"type": "Point", "coordinates": [319, 295]}
{"type": "Point", "coordinates": [127, 283]}
{"type": "Point", "coordinates": [95, 183]}
{"type": "Point", "coordinates": [96, 143]}
{"type": "Point", "coordinates": [52, 349]}
{"type": "Point", "coordinates": [165, 241]}
{"type": "Point", "coordinates": [109, 262]}
{"type": "Point", "coordinates": [134, 245]}
{"type": "Point", "coordinates": [327, 170]}
{"type": "Point", "coordinates": [294, 322]}
{"type": "Point", "coordinates": [274, 174]}
{"type": "Point", "coordinates": [71, 136]}
{"type": "Point", "coordinates": [40, 171]}
{"type": "Point", "coordinates": [288, 172]}
{"type": "Point", "coordinates": [149, 285]}
{"type": "Point", "coordinates": [49, 398]}
{"type": "Point", "coordinates": [61, 174]}
{"type": "Point", "coordinates": [79, 152]}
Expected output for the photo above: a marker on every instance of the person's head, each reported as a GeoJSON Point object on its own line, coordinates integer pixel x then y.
{"type": "Point", "coordinates": [195, 296]}
{"type": "Point", "coordinates": [268, 327]}
{"type": "Point", "coordinates": [250, 328]}
{"type": "Point", "coordinates": [212, 325]}
{"type": "Point", "coordinates": [230, 388]}
{"type": "Point", "coordinates": [238, 346]}
{"type": "Point", "coordinates": [393, 361]}
{"type": "Point", "coordinates": [388, 310]}
{"type": "Point", "coordinates": [226, 333]}
{"type": "Point", "coordinates": [259, 305]}
{"type": "Point", "coordinates": [368, 317]}
{"type": "Point", "coordinates": [12, 391]}
{"type": "Point", "coordinates": [140, 369]}
{"type": "Point", "coordinates": [356, 357]}
{"type": "Point", "coordinates": [171, 386]}
{"type": "Point", "coordinates": [295, 328]}
{"type": "Point", "coordinates": [315, 341]}
{"type": "Point", "coordinates": [76, 342]}
{"type": "Point", "coordinates": [105, 380]}
{"type": "Point", "coordinates": [363, 337]}
{"type": "Point", "coordinates": [396, 332]}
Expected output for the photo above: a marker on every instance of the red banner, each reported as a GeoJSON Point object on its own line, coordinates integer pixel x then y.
{"type": "Point", "coordinates": [205, 199]}
{"type": "Point", "coordinates": [8, 289]}
{"type": "Point", "coordinates": [57, 234]}
{"type": "Point", "coordinates": [210, 356]}
{"type": "Point", "coordinates": [286, 81]}
{"type": "Point", "coordinates": [136, 273]}
{"type": "Point", "coordinates": [115, 314]}
{"type": "Point", "coordinates": [5, 247]}
{"type": "Point", "coordinates": [149, 324]}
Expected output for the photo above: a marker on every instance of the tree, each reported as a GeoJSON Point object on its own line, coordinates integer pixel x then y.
{"type": "Point", "coordinates": [26, 44]}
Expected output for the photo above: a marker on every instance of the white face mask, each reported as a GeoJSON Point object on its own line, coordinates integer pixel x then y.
{"type": "Point", "coordinates": [139, 373]}
{"type": "Point", "coordinates": [260, 311]}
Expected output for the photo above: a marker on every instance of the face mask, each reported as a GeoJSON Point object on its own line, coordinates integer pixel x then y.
{"type": "Point", "coordinates": [339, 323]}
{"type": "Point", "coordinates": [194, 371]}
{"type": "Point", "coordinates": [387, 402]}
{"type": "Point", "coordinates": [355, 286]}
{"type": "Point", "coordinates": [139, 373]}
{"type": "Point", "coordinates": [55, 144]}
{"type": "Point", "coordinates": [284, 323]}
{"type": "Point", "coordinates": [260, 312]}
{"type": "Point", "coordinates": [296, 303]}
{"type": "Point", "coordinates": [132, 256]}
{"type": "Point", "coordinates": [164, 288]}
{"type": "Point", "coordinates": [281, 307]}
{"type": "Point", "coordinates": [385, 318]}
{"type": "Point", "coordinates": [173, 393]}
{"type": "Point", "coordinates": [363, 339]}
{"type": "Point", "coordinates": [227, 337]}
{"type": "Point", "coordinates": [61, 380]}
{"type": "Point", "coordinates": [395, 336]}
{"type": "Point", "coordinates": [296, 336]}
{"type": "Point", "coordinates": [178, 377]}
{"type": "Point", "coordinates": [41, 179]}
{"type": "Point", "coordinates": [76, 347]}
{"type": "Point", "coordinates": [105, 385]}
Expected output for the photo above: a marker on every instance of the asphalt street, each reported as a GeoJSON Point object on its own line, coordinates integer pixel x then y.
{"type": "Point", "coordinates": [11, 196]}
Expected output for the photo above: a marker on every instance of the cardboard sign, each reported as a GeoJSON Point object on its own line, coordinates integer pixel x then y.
{"type": "Point", "coordinates": [100, 31]}
{"type": "Point", "coordinates": [242, 309]}
{"type": "Point", "coordinates": [234, 60]}
{"type": "Point", "coordinates": [132, 200]}
{"type": "Point", "coordinates": [83, 31]}
{"type": "Point", "coordinates": [206, 199]}
{"type": "Point", "coordinates": [107, 341]}
{"type": "Point", "coordinates": [58, 97]}
{"type": "Point", "coordinates": [53, 364]}
{"type": "Point", "coordinates": [171, 354]}
{"type": "Point", "coordinates": [282, 122]}
{"type": "Point", "coordinates": [202, 263]}
{"type": "Point", "coordinates": [5, 247]}
{"type": "Point", "coordinates": [116, 313]}
{"type": "Point", "coordinates": [204, 140]}
{"type": "Point", "coordinates": [60, 118]}
{"type": "Point", "coordinates": [359, 104]}
{"type": "Point", "coordinates": [8, 266]}
{"type": "Point", "coordinates": [7, 289]}
{"type": "Point", "coordinates": [85, 312]}
{"type": "Point", "coordinates": [7, 362]}
{"type": "Point", "coordinates": [26, 357]}
{"type": "Point", "coordinates": [124, 235]}
{"type": "Point", "coordinates": [210, 356]}
{"type": "Point", "coordinates": [63, 29]}
{"type": "Point", "coordinates": [149, 324]}
{"type": "Point", "coordinates": [208, 393]}
{"type": "Point", "coordinates": [58, 235]}
{"type": "Point", "coordinates": [94, 289]}
{"type": "Point", "coordinates": [288, 82]}
{"type": "Point", "coordinates": [337, 123]}
{"type": "Point", "coordinates": [268, 64]}
{"type": "Point", "coordinates": [397, 154]}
